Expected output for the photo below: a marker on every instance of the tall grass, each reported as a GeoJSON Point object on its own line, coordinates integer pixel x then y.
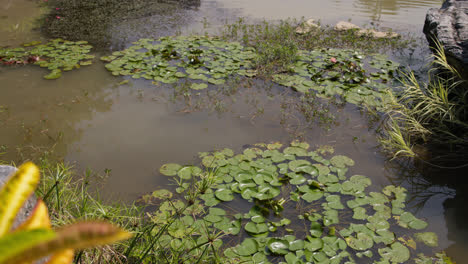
{"type": "Point", "coordinates": [70, 198]}
{"type": "Point", "coordinates": [433, 114]}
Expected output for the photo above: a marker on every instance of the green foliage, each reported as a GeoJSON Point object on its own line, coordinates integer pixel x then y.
{"type": "Point", "coordinates": [331, 218]}
{"type": "Point", "coordinates": [332, 72]}
{"type": "Point", "coordinates": [203, 59]}
{"type": "Point", "coordinates": [433, 113]}
{"type": "Point", "coordinates": [34, 239]}
{"type": "Point", "coordinates": [57, 55]}
{"type": "Point", "coordinates": [70, 198]}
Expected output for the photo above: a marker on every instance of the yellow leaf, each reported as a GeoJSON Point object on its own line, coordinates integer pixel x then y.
{"type": "Point", "coordinates": [39, 218]}
{"type": "Point", "coordinates": [15, 192]}
{"type": "Point", "coordinates": [76, 236]}
{"type": "Point", "coordinates": [62, 257]}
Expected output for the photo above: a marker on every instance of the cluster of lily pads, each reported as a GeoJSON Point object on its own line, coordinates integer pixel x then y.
{"type": "Point", "coordinates": [203, 59]}
{"type": "Point", "coordinates": [295, 206]}
{"type": "Point", "coordinates": [209, 60]}
{"type": "Point", "coordinates": [340, 72]}
{"type": "Point", "coordinates": [57, 55]}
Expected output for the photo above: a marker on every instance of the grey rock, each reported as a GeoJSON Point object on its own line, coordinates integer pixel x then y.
{"type": "Point", "coordinates": [344, 26]}
{"type": "Point", "coordinates": [23, 214]}
{"type": "Point", "coordinates": [449, 25]}
{"type": "Point", "coordinates": [307, 26]}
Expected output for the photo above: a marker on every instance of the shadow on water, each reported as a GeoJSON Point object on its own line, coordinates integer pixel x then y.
{"type": "Point", "coordinates": [440, 195]}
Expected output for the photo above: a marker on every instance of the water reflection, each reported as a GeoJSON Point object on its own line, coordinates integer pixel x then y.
{"type": "Point", "coordinates": [377, 9]}
{"type": "Point", "coordinates": [439, 195]}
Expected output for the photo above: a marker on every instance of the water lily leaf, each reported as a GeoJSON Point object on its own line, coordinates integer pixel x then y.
{"type": "Point", "coordinates": [362, 241]}
{"type": "Point", "coordinates": [396, 253]}
{"type": "Point", "coordinates": [224, 195]}
{"type": "Point", "coordinates": [312, 195]}
{"type": "Point", "coordinates": [341, 161]}
{"type": "Point", "coordinates": [170, 169]}
{"type": "Point", "coordinates": [256, 228]}
{"type": "Point", "coordinates": [275, 145]}
{"type": "Point", "coordinates": [278, 246]}
{"type": "Point", "coordinates": [162, 194]}
{"type": "Point", "coordinates": [296, 245]}
{"type": "Point", "coordinates": [187, 172]}
{"type": "Point", "coordinates": [428, 238]}
{"type": "Point", "coordinates": [259, 257]}
{"type": "Point", "coordinates": [384, 236]}
{"type": "Point", "coordinates": [322, 170]}
{"type": "Point", "coordinates": [55, 74]}
{"type": "Point", "coordinates": [330, 217]}
{"type": "Point", "coordinates": [299, 144]}
{"type": "Point", "coordinates": [295, 151]}
{"type": "Point", "coordinates": [316, 229]}
{"type": "Point", "coordinates": [334, 202]}
{"type": "Point", "coordinates": [198, 86]}
{"type": "Point", "coordinates": [417, 224]}
{"type": "Point", "coordinates": [248, 247]}
{"type": "Point", "coordinates": [360, 213]}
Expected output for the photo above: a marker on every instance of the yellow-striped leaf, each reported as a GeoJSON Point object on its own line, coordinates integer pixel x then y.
{"type": "Point", "coordinates": [62, 257]}
{"type": "Point", "coordinates": [14, 244]}
{"type": "Point", "coordinates": [76, 236]}
{"type": "Point", "coordinates": [15, 192]}
{"type": "Point", "coordinates": [39, 218]}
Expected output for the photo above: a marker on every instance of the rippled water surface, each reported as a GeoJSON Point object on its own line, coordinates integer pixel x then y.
{"type": "Point", "coordinates": [130, 130]}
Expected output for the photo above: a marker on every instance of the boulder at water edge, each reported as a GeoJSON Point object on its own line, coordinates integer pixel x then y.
{"type": "Point", "coordinates": [449, 25]}
{"type": "Point", "coordinates": [5, 172]}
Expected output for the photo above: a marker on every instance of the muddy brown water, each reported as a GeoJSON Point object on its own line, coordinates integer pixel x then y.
{"type": "Point", "coordinates": [130, 130]}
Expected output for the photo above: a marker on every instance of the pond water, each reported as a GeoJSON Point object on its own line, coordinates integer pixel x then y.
{"type": "Point", "coordinates": [128, 131]}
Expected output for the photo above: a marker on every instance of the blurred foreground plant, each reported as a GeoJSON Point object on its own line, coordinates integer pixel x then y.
{"type": "Point", "coordinates": [34, 239]}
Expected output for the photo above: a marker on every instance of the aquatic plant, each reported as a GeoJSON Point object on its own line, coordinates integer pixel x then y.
{"type": "Point", "coordinates": [202, 59]}
{"type": "Point", "coordinates": [57, 56]}
{"type": "Point", "coordinates": [333, 72]}
{"type": "Point", "coordinates": [291, 205]}
{"type": "Point", "coordinates": [432, 113]}
{"type": "Point", "coordinates": [208, 60]}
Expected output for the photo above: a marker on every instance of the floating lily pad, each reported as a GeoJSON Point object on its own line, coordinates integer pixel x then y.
{"type": "Point", "coordinates": [278, 246]}
{"type": "Point", "coordinates": [396, 253]}
{"type": "Point", "coordinates": [428, 238]}
{"type": "Point", "coordinates": [170, 169]}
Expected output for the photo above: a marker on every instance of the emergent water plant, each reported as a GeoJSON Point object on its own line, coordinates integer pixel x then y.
{"type": "Point", "coordinates": [275, 204]}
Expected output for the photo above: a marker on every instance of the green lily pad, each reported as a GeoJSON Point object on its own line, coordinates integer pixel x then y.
{"type": "Point", "coordinates": [362, 241]}
{"type": "Point", "coordinates": [428, 238]}
{"type": "Point", "coordinates": [170, 169]}
{"type": "Point", "coordinates": [278, 246]}
{"type": "Point", "coordinates": [396, 253]}
{"type": "Point", "coordinates": [224, 195]}
{"type": "Point", "coordinates": [341, 161]}
{"type": "Point", "coordinates": [198, 86]}
{"type": "Point", "coordinates": [248, 247]}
